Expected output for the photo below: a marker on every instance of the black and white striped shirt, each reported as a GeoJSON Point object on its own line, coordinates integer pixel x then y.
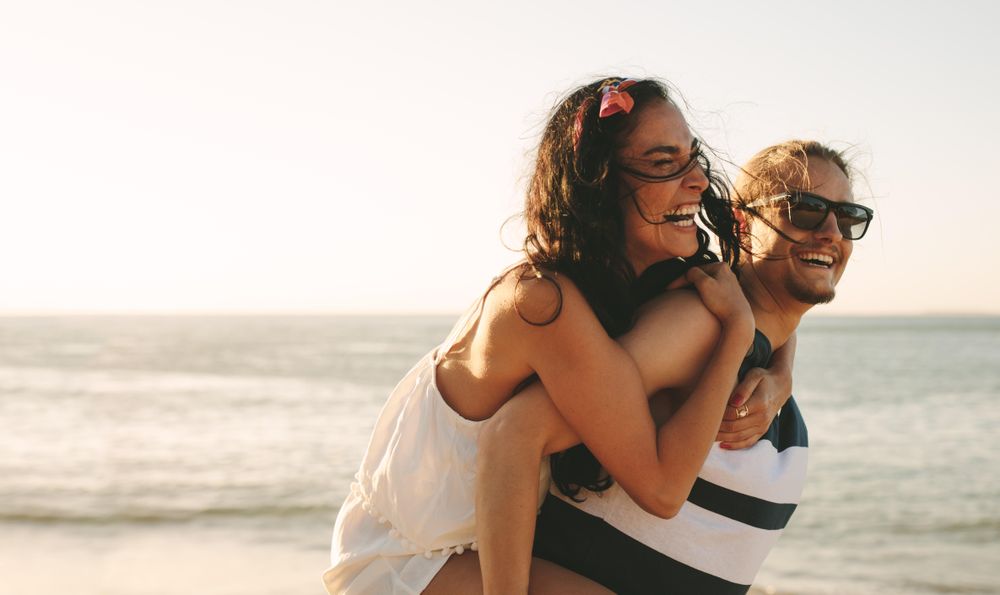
{"type": "Point", "coordinates": [736, 511]}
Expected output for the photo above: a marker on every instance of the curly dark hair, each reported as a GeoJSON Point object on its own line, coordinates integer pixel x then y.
{"type": "Point", "coordinates": [575, 226]}
{"type": "Point", "coordinates": [573, 210]}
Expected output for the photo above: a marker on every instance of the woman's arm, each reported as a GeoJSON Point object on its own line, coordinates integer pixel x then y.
{"type": "Point", "coordinates": [670, 346]}
{"type": "Point", "coordinates": [763, 392]}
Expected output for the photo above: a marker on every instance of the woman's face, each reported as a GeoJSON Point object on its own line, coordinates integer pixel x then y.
{"type": "Point", "coordinates": [659, 216]}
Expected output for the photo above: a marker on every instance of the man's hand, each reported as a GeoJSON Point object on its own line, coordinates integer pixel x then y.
{"type": "Point", "coordinates": [754, 404]}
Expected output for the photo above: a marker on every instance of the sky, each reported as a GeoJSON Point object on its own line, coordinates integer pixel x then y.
{"type": "Point", "coordinates": [362, 157]}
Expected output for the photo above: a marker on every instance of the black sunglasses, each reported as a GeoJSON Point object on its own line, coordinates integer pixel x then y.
{"type": "Point", "coordinates": [808, 211]}
{"type": "Point", "coordinates": [669, 169]}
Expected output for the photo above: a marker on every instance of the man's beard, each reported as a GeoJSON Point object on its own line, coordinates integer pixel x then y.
{"type": "Point", "coordinates": [805, 293]}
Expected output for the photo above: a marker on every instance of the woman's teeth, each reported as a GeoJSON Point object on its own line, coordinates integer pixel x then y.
{"type": "Point", "coordinates": [816, 259]}
{"type": "Point", "coordinates": [683, 216]}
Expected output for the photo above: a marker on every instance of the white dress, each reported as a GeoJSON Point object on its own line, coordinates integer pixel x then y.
{"type": "Point", "coordinates": [412, 504]}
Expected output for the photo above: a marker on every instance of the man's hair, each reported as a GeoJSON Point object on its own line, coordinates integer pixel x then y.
{"type": "Point", "coordinates": [780, 167]}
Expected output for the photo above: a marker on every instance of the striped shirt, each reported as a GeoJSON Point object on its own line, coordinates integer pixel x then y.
{"type": "Point", "coordinates": [737, 509]}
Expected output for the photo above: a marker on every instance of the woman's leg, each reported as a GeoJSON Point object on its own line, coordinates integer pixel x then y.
{"type": "Point", "coordinates": [511, 447]}
{"type": "Point", "coordinates": [461, 575]}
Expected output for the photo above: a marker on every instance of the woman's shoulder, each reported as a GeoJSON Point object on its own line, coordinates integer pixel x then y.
{"type": "Point", "coordinates": [528, 297]}
{"type": "Point", "coordinates": [539, 318]}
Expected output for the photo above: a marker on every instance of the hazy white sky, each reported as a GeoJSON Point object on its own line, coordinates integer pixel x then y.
{"type": "Point", "coordinates": [297, 156]}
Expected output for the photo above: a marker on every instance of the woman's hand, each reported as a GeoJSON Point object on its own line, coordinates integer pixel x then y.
{"type": "Point", "coordinates": [754, 404]}
{"type": "Point", "coordinates": [721, 293]}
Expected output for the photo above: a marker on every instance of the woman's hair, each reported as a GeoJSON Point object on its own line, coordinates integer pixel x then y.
{"type": "Point", "coordinates": [573, 210]}
{"type": "Point", "coordinates": [781, 168]}
{"type": "Point", "coordinates": [575, 226]}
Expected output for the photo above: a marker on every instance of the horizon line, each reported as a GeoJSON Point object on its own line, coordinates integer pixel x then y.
{"type": "Point", "coordinates": [428, 313]}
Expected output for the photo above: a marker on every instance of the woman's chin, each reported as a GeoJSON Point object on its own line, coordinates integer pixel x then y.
{"type": "Point", "coordinates": [687, 249]}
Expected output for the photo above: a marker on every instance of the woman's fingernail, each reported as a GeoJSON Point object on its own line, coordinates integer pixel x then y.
{"type": "Point", "coordinates": [724, 445]}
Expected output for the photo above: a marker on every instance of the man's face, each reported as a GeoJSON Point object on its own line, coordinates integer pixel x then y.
{"type": "Point", "coordinates": [808, 271]}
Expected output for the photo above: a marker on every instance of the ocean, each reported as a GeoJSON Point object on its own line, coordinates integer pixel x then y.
{"type": "Point", "coordinates": [185, 454]}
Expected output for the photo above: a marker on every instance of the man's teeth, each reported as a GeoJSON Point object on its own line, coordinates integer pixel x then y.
{"type": "Point", "coordinates": [683, 216]}
{"type": "Point", "coordinates": [816, 259]}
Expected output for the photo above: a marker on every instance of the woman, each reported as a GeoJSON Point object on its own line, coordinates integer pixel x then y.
{"type": "Point", "coordinates": [618, 182]}
{"type": "Point", "coordinates": [796, 206]}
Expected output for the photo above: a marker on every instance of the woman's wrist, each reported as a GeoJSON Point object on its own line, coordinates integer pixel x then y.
{"type": "Point", "coordinates": [739, 331]}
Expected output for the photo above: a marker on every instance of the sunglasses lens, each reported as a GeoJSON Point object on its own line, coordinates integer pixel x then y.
{"type": "Point", "coordinates": [852, 221]}
{"type": "Point", "coordinates": [806, 212]}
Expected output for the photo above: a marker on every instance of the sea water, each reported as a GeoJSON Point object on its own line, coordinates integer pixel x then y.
{"type": "Point", "coordinates": [153, 455]}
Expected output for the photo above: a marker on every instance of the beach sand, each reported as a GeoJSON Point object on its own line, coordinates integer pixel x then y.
{"type": "Point", "coordinates": [164, 560]}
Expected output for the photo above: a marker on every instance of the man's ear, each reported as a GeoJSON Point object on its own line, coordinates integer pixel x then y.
{"type": "Point", "coordinates": [744, 223]}
{"type": "Point", "coordinates": [741, 218]}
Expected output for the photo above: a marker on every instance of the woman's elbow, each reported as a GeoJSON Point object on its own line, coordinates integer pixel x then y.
{"type": "Point", "coordinates": [659, 502]}
{"type": "Point", "coordinates": [665, 509]}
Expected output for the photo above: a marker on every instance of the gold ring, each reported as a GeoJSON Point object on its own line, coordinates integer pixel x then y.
{"type": "Point", "coordinates": [742, 412]}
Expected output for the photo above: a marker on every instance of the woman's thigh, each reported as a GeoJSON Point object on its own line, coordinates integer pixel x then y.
{"type": "Point", "coordinates": [461, 575]}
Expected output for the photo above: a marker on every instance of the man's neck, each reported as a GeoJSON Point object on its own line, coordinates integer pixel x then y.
{"type": "Point", "coordinates": [776, 313]}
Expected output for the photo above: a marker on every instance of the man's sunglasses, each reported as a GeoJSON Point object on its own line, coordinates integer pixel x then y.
{"type": "Point", "coordinates": [808, 211]}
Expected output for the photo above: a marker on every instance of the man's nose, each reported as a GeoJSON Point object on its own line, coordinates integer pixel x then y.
{"type": "Point", "coordinates": [829, 230]}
